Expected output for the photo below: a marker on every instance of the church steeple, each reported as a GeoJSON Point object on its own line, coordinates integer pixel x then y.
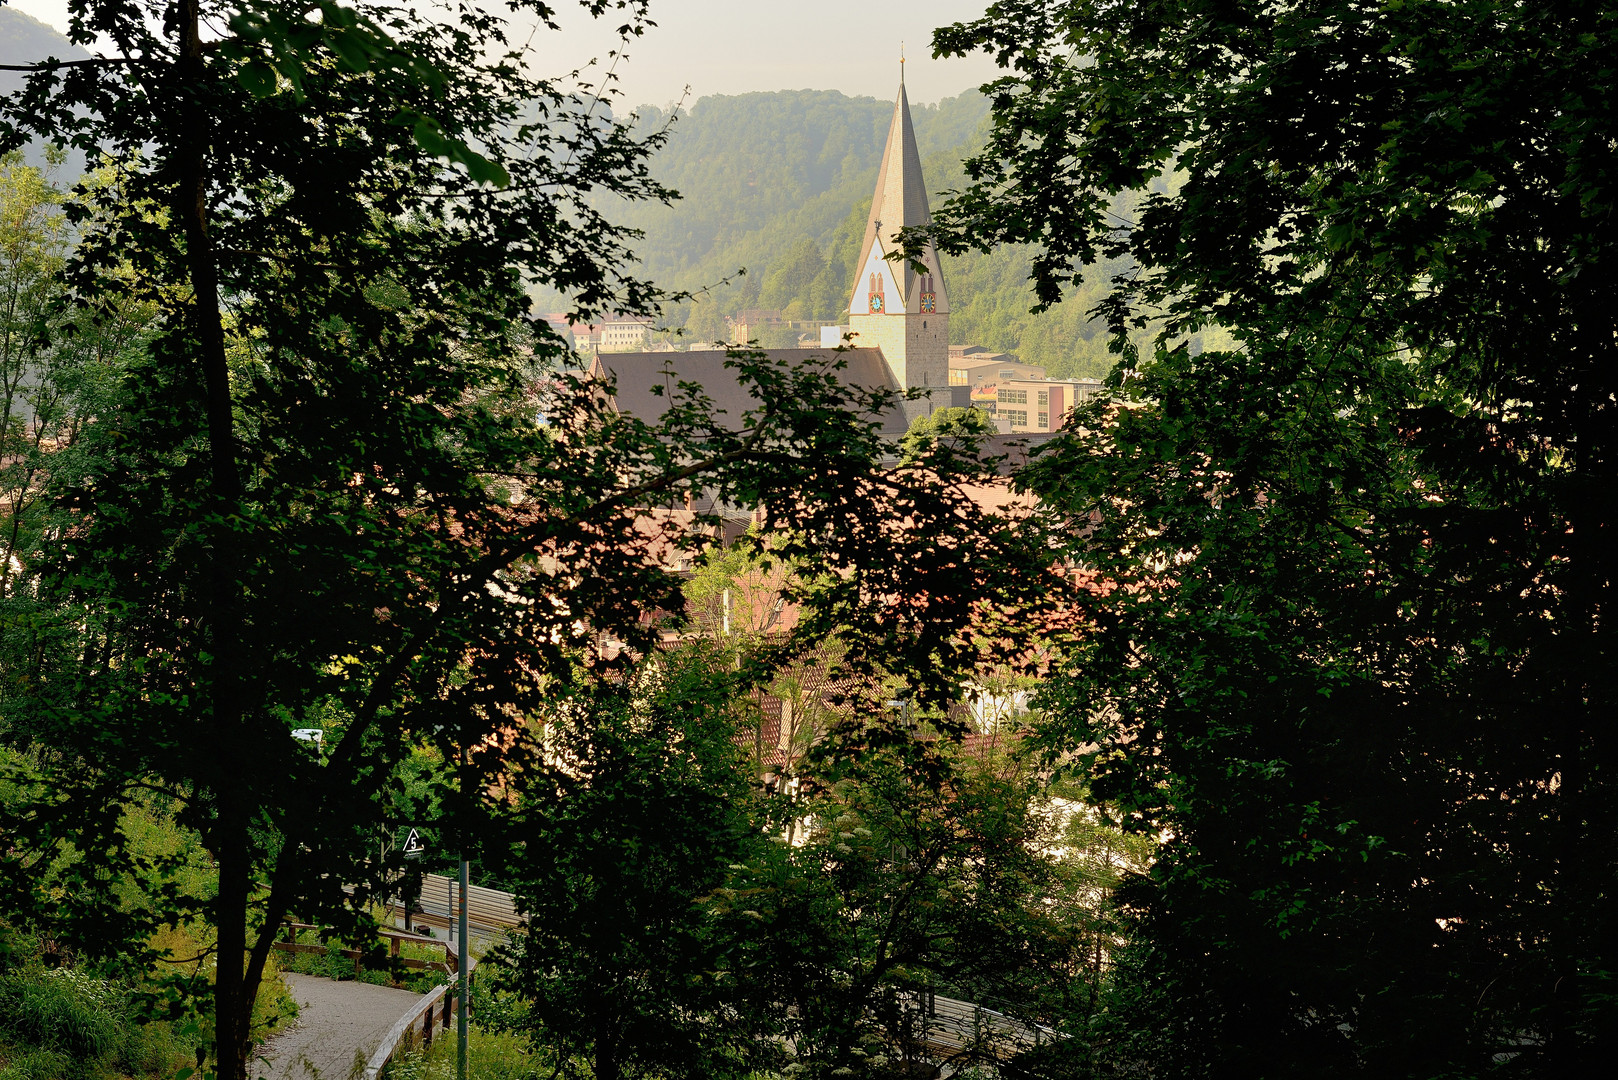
{"type": "Point", "coordinates": [900, 201]}
{"type": "Point", "coordinates": [894, 306]}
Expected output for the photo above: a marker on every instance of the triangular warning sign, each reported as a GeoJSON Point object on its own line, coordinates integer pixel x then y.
{"type": "Point", "coordinates": [412, 847]}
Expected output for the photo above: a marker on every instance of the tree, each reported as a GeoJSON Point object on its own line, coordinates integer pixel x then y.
{"type": "Point", "coordinates": [1355, 654]}
{"type": "Point", "coordinates": [706, 324]}
{"type": "Point", "coordinates": [320, 496]}
{"type": "Point", "coordinates": [962, 428]}
{"type": "Point", "coordinates": [892, 888]}
{"type": "Point", "coordinates": [645, 802]}
{"type": "Point", "coordinates": [33, 243]}
{"type": "Point", "coordinates": [789, 284]}
{"type": "Point", "coordinates": [49, 381]}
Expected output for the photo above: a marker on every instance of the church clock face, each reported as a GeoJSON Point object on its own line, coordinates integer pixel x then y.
{"type": "Point", "coordinates": [875, 293]}
{"type": "Point", "coordinates": [876, 303]}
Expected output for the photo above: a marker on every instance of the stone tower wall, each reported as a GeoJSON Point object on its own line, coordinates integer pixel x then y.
{"type": "Point", "coordinates": [918, 354]}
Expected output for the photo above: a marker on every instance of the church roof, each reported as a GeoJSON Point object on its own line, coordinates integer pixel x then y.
{"type": "Point", "coordinates": [646, 380]}
{"type": "Point", "coordinates": [900, 201]}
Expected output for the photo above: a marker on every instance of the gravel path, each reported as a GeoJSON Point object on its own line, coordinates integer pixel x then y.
{"type": "Point", "coordinates": [339, 1025]}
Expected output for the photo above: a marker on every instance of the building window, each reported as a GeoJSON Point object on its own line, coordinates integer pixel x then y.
{"type": "Point", "coordinates": [1014, 397]}
{"type": "Point", "coordinates": [1044, 397]}
{"type": "Point", "coordinates": [1044, 420]}
{"type": "Point", "coordinates": [1018, 417]}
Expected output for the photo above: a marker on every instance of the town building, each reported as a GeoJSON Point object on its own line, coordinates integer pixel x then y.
{"type": "Point", "coordinates": [974, 366]}
{"type": "Point", "coordinates": [586, 337]}
{"type": "Point", "coordinates": [898, 314]}
{"type": "Point", "coordinates": [562, 328]}
{"type": "Point", "coordinates": [624, 334]}
{"type": "Point", "coordinates": [1031, 405]}
{"type": "Point", "coordinates": [900, 306]}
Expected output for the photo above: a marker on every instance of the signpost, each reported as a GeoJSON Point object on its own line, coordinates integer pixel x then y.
{"type": "Point", "coordinates": [412, 846]}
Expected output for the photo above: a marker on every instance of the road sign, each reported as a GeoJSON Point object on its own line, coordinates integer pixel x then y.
{"type": "Point", "coordinates": [413, 846]}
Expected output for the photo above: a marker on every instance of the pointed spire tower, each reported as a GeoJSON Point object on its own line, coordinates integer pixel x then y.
{"type": "Point", "coordinates": [896, 308]}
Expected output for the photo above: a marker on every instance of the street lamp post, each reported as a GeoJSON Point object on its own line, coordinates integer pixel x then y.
{"type": "Point", "coordinates": [466, 984]}
{"type": "Point", "coordinates": [462, 958]}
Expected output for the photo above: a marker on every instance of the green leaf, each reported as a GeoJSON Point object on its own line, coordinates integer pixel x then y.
{"type": "Point", "coordinates": [430, 137]}
{"type": "Point", "coordinates": [354, 52]}
{"type": "Point", "coordinates": [483, 170]}
{"type": "Point", "coordinates": [258, 78]}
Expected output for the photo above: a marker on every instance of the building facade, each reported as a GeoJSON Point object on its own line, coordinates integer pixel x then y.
{"type": "Point", "coordinates": [624, 335]}
{"type": "Point", "coordinates": [1020, 405]}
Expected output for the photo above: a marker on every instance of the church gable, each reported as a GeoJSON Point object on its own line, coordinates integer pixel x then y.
{"type": "Point", "coordinates": [876, 290]}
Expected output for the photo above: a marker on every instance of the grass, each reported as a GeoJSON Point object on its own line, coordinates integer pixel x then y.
{"type": "Point", "coordinates": [63, 1024]}
{"type": "Point", "coordinates": [489, 1056]}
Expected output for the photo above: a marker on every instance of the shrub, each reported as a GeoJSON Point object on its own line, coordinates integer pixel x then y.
{"type": "Point", "coordinates": [16, 948]}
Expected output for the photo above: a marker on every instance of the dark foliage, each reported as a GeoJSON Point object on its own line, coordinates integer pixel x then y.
{"type": "Point", "coordinates": [1353, 655]}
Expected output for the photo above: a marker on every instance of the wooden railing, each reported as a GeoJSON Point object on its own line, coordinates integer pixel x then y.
{"type": "Point", "coordinates": [949, 1029]}
{"type": "Point", "coordinates": [448, 965]}
{"type": "Point", "coordinates": [415, 1028]}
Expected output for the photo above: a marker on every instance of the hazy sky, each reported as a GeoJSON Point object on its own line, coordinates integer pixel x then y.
{"type": "Point", "coordinates": [734, 46]}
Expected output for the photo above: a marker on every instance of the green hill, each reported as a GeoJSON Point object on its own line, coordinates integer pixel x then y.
{"type": "Point", "coordinates": [780, 183]}
{"type": "Point", "coordinates": [26, 40]}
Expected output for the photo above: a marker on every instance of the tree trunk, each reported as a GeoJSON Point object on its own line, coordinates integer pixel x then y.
{"type": "Point", "coordinates": [233, 997]}
{"type": "Point", "coordinates": [606, 1053]}
{"type": "Point", "coordinates": [234, 987]}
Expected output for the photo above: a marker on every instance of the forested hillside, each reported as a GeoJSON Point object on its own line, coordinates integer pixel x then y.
{"type": "Point", "coordinates": [26, 40]}
{"type": "Point", "coordinates": [780, 184]}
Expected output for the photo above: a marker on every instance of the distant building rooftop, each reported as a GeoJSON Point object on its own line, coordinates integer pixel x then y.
{"type": "Point", "coordinates": [647, 380]}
